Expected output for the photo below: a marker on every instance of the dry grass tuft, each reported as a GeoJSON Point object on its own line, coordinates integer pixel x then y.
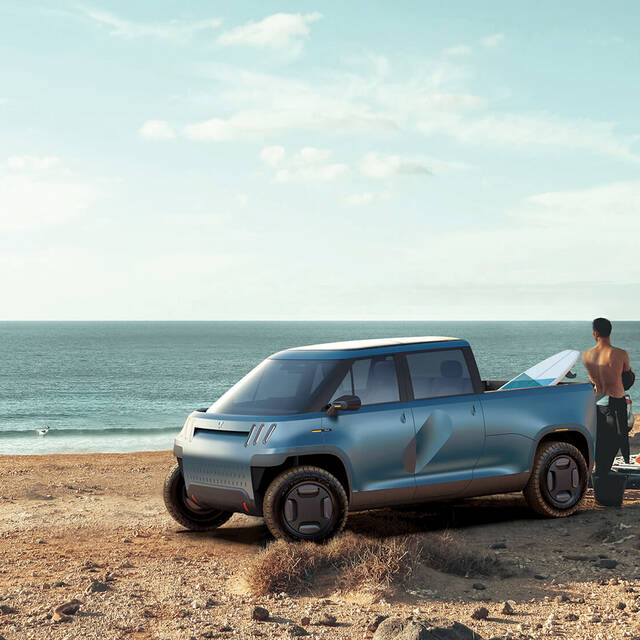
{"type": "Point", "coordinates": [359, 562]}
{"type": "Point", "coordinates": [283, 566]}
{"type": "Point", "coordinates": [446, 552]}
{"type": "Point", "coordinates": [373, 564]}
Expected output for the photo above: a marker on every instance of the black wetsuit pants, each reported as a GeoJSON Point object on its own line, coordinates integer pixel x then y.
{"type": "Point", "coordinates": [612, 434]}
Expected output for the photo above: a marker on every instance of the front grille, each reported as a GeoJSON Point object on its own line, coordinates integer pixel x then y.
{"type": "Point", "coordinates": [219, 474]}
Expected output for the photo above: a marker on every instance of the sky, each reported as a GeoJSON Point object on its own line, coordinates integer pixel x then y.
{"type": "Point", "coordinates": [319, 160]}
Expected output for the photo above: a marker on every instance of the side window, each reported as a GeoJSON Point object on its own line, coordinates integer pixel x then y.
{"type": "Point", "coordinates": [373, 380]}
{"type": "Point", "coordinates": [345, 388]}
{"type": "Point", "coordinates": [439, 373]}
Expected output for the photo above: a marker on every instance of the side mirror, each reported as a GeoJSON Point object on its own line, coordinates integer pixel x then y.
{"type": "Point", "coordinates": [344, 403]}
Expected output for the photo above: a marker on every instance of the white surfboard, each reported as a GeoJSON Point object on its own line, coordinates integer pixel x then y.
{"type": "Point", "coordinates": [545, 373]}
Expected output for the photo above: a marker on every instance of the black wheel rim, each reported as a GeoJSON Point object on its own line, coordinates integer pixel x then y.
{"type": "Point", "coordinates": [562, 482]}
{"type": "Point", "coordinates": [308, 509]}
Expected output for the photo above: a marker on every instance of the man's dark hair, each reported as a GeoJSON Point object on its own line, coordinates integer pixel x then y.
{"type": "Point", "coordinates": [602, 326]}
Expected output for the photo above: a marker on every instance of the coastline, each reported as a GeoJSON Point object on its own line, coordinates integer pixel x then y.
{"type": "Point", "coordinates": [634, 441]}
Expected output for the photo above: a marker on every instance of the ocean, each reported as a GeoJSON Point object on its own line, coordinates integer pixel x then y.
{"type": "Point", "coordinates": [128, 386]}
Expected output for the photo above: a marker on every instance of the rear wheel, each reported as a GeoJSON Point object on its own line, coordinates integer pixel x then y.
{"type": "Point", "coordinates": [558, 480]}
{"type": "Point", "coordinates": [305, 503]}
{"type": "Point", "coordinates": [185, 510]}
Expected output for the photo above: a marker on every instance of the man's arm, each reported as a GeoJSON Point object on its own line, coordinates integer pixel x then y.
{"type": "Point", "coordinates": [626, 363]}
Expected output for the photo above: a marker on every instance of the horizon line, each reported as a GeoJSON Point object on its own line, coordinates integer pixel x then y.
{"type": "Point", "coordinates": [589, 320]}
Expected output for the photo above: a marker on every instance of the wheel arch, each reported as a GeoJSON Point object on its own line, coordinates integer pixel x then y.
{"type": "Point", "coordinates": [570, 435]}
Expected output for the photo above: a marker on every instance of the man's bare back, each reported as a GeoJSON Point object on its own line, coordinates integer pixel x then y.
{"type": "Point", "coordinates": [605, 364]}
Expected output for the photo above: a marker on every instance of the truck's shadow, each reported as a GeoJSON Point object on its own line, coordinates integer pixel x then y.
{"type": "Point", "coordinates": [382, 523]}
{"type": "Point", "coordinates": [440, 516]}
{"type": "Point", "coordinates": [430, 517]}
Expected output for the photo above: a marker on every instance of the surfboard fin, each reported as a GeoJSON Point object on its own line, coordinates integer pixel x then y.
{"type": "Point", "coordinates": [570, 375]}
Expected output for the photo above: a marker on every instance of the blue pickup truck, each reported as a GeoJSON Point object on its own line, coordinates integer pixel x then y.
{"type": "Point", "coordinates": [314, 432]}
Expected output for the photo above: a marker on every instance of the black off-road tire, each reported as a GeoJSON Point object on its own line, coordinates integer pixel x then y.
{"type": "Point", "coordinates": [305, 503]}
{"type": "Point", "coordinates": [558, 480]}
{"type": "Point", "coordinates": [185, 510]}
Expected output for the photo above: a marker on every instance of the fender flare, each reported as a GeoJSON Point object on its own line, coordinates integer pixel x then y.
{"type": "Point", "coordinates": [278, 459]}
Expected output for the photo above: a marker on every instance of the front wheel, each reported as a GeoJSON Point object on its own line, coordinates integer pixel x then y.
{"type": "Point", "coordinates": [558, 480]}
{"type": "Point", "coordinates": [185, 510]}
{"type": "Point", "coordinates": [305, 503]}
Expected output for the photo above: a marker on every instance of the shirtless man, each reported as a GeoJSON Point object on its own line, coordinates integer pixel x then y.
{"type": "Point", "coordinates": [604, 364]}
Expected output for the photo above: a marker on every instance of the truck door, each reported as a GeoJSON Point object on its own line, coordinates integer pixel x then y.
{"type": "Point", "coordinates": [374, 439]}
{"type": "Point", "coordinates": [448, 421]}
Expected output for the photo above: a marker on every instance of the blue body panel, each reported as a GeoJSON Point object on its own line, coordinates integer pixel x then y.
{"type": "Point", "coordinates": [516, 419]}
{"type": "Point", "coordinates": [392, 453]}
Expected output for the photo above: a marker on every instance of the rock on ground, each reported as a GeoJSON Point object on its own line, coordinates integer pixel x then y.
{"type": "Point", "coordinates": [408, 629]}
{"type": "Point", "coordinates": [260, 613]}
{"type": "Point", "coordinates": [481, 613]}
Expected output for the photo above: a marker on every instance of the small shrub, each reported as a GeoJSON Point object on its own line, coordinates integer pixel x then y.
{"type": "Point", "coordinates": [365, 563]}
{"type": "Point", "coordinates": [282, 566]}
{"type": "Point", "coordinates": [447, 553]}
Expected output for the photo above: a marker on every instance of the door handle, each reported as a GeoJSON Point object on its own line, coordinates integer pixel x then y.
{"type": "Point", "coordinates": [473, 409]}
{"type": "Point", "coordinates": [403, 417]}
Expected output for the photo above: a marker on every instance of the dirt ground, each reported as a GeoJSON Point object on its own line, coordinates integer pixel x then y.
{"type": "Point", "coordinates": [94, 528]}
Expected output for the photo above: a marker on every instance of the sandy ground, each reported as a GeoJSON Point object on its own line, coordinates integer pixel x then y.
{"type": "Point", "coordinates": [69, 521]}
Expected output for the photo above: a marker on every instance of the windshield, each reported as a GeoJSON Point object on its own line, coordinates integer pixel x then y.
{"type": "Point", "coordinates": [279, 387]}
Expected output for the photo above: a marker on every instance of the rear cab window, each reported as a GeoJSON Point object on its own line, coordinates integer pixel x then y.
{"type": "Point", "coordinates": [438, 373]}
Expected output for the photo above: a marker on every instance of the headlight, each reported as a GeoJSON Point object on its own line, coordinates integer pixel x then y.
{"type": "Point", "coordinates": [187, 429]}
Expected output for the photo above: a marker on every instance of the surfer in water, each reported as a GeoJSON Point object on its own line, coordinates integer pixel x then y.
{"type": "Point", "coordinates": [605, 365]}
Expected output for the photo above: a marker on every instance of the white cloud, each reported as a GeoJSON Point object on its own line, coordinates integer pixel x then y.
{"type": "Point", "coordinates": [4, 100]}
{"type": "Point", "coordinates": [157, 130]}
{"type": "Point", "coordinates": [311, 155]}
{"type": "Point", "coordinates": [458, 50]}
{"type": "Point", "coordinates": [263, 104]}
{"type": "Point", "coordinates": [36, 192]}
{"type": "Point", "coordinates": [533, 130]}
{"type": "Point", "coordinates": [258, 123]}
{"type": "Point", "coordinates": [447, 102]}
{"type": "Point", "coordinates": [493, 41]}
{"type": "Point", "coordinates": [278, 31]}
{"type": "Point", "coordinates": [32, 163]}
{"type": "Point", "coordinates": [272, 156]}
{"type": "Point", "coordinates": [242, 199]}
{"type": "Point", "coordinates": [360, 199]}
{"type": "Point", "coordinates": [429, 101]}
{"type": "Point", "coordinates": [377, 166]}
{"type": "Point", "coordinates": [308, 165]}
{"type": "Point", "coordinates": [314, 173]}
{"type": "Point", "coordinates": [130, 30]}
